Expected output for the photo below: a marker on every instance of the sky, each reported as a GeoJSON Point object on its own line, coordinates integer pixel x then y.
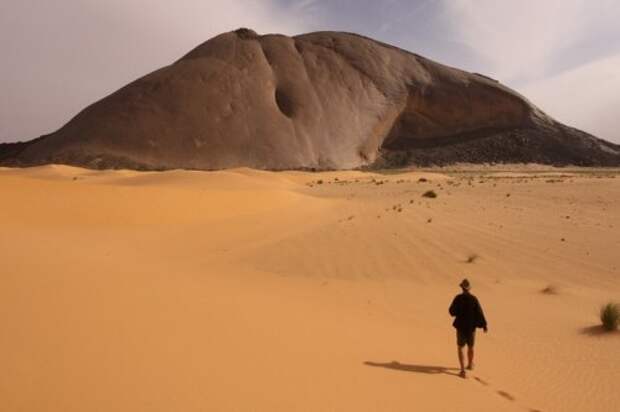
{"type": "Point", "coordinates": [60, 56]}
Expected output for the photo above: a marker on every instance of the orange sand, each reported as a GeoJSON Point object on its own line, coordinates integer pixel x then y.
{"type": "Point", "coordinates": [255, 291]}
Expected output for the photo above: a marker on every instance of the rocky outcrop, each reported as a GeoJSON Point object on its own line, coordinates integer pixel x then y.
{"type": "Point", "coordinates": [326, 100]}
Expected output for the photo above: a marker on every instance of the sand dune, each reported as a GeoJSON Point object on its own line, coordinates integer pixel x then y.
{"type": "Point", "coordinates": [243, 290]}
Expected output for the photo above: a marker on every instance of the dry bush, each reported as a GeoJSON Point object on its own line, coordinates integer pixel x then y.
{"type": "Point", "coordinates": [610, 316]}
{"type": "Point", "coordinates": [472, 258]}
{"type": "Point", "coordinates": [550, 290]}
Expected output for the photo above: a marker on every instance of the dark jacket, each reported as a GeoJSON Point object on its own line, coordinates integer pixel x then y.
{"type": "Point", "coordinates": [469, 316]}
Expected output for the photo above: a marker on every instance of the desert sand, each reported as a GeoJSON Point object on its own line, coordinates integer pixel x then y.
{"type": "Point", "coordinates": [243, 290]}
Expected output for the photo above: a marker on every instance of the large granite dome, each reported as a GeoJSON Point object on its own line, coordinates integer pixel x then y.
{"type": "Point", "coordinates": [325, 100]}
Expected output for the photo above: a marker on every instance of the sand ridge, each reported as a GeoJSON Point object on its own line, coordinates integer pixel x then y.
{"type": "Point", "coordinates": [248, 290]}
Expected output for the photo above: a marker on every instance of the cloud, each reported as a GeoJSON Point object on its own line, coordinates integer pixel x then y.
{"type": "Point", "coordinates": [562, 54]}
{"type": "Point", "coordinates": [58, 57]}
{"type": "Point", "coordinates": [585, 97]}
{"type": "Point", "coordinates": [517, 39]}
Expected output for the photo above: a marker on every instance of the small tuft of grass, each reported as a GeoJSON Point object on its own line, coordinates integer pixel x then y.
{"type": "Point", "coordinates": [422, 180]}
{"type": "Point", "coordinates": [319, 182]}
{"type": "Point", "coordinates": [550, 290]}
{"type": "Point", "coordinates": [610, 316]}
{"type": "Point", "coordinates": [430, 194]}
{"type": "Point", "coordinates": [472, 258]}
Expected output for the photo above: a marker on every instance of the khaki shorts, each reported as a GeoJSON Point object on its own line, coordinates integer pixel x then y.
{"type": "Point", "coordinates": [465, 338]}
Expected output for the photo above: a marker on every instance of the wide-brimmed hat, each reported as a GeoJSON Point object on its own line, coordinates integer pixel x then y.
{"type": "Point", "coordinates": [465, 284]}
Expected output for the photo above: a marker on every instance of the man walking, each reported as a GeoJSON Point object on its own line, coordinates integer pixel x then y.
{"type": "Point", "coordinates": [468, 316]}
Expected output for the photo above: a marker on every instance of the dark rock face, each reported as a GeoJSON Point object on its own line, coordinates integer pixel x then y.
{"type": "Point", "coordinates": [324, 100]}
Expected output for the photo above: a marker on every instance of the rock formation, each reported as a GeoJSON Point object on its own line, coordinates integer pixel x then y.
{"type": "Point", "coordinates": [325, 100]}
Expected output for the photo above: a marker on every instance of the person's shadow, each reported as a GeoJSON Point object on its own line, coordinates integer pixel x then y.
{"type": "Point", "coordinates": [428, 369]}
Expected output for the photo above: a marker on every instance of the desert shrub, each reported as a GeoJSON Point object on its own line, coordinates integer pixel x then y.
{"type": "Point", "coordinates": [550, 290]}
{"type": "Point", "coordinates": [610, 316]}
{"type": "Point", "coordinates": [472, 258]}
{"type": "Point", "coordinates": [430, 194]}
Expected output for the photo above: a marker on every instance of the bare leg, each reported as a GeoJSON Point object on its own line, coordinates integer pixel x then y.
{"type": "Point", "coordinates": [470, 357]}
{"type": "Point", "coordinates": [461, 360]}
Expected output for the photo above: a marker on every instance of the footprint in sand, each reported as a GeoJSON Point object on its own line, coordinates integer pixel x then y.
{"type": "Point", "coordinates": [485, 383]}
{"type": "Point", "coordinates": [503, 394]}
{"type": "Point", "coordinates": [506, 395]}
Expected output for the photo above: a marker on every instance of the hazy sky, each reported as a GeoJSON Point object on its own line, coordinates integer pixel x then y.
{"type": "Point", "coordinates": [59, 56]}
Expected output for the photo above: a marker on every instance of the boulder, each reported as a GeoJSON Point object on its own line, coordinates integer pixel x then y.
{"type": "Point", "coordinates": [326, 100]}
